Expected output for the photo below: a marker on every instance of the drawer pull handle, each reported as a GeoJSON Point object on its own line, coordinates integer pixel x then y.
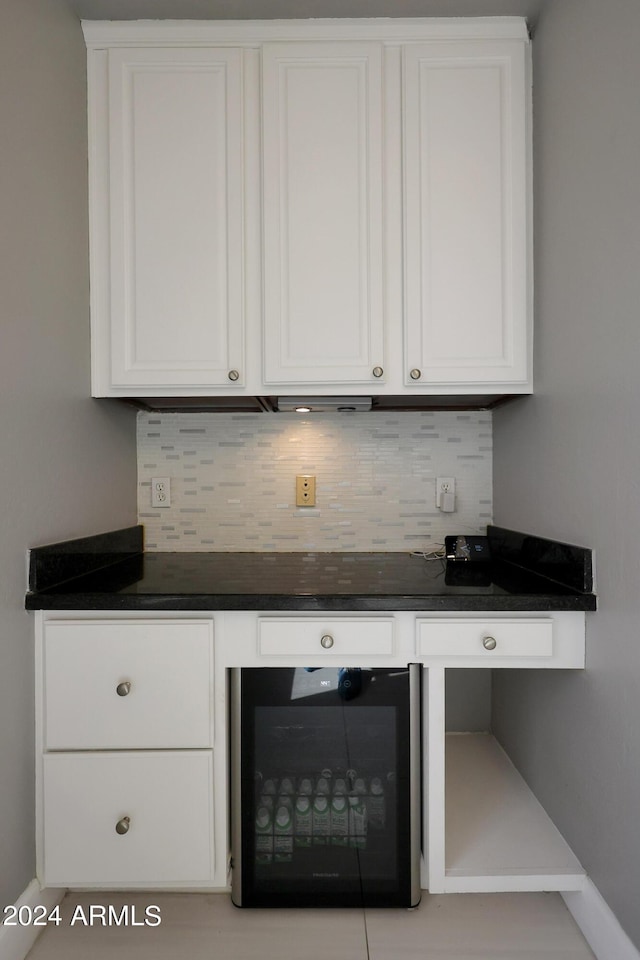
{"type": "Point", "coordinates": [123, 689]}
{"type": "Point", "coordinates": [377, 372]}
{"type": "Point", "coordinates": [122, 826]}
{"type": "Point", "coordinates": [489, 643]}
{"type": "Point", "coordinates": [415, 374]}
{"type": "Point", "coordinates": [326, 641]}
{"type": "Point", "coordinates": [233, 375]}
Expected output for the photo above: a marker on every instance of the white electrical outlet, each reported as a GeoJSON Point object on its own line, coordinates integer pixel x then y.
{"type": "Point", "coordinates": [160, 492]}
{"type": "Point", "coordinates": [444, 486]}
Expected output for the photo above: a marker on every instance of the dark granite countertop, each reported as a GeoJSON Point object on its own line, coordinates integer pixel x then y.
{"type": "Point", "coordinates": [112, 572]}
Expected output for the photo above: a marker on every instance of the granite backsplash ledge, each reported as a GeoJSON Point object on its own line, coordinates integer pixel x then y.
{"type": "Point", "coordinates": [57, 563]}
{"type": "Point", "coordinates": [564, 563]}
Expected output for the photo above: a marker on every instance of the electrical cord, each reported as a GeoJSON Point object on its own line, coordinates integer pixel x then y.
{"type": "Point", "coordinates": [435, 552]}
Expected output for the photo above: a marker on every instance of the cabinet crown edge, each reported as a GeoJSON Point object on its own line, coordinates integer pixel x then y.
{"type": "Point", "coordinates": [104, 33]}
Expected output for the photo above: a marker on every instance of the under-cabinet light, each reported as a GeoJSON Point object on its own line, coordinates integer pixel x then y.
{"type": "Point", "coordinates": [323, 404]}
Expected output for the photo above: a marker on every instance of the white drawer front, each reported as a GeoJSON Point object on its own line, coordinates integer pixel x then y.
{"type": "Point", "coordinates": [488, 639]}
{"type": "Point", "coordinates": [169, 669]}
{"type": "Point", "coordinates": [167, 798]}
{"type": "Point", "coordinates": [318, 639]}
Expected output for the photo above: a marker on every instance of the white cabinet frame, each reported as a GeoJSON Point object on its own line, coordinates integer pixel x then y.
{"type": "Point", "coordinates": [472, 792]}
{"type": "Point", "coordinates": [405, 303]}
{"type": "Point", "coordinates": [486, 831]}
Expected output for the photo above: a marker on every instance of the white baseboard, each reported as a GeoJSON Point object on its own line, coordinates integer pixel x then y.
{"type": "Point", "coordinates": [599, 925]}
{"type": "Point", "coordinates": [16, 940]}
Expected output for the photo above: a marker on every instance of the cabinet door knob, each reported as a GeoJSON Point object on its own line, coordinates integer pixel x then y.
{"type": "Point", "coordinates": [377, 371]}
{"type": "Point", "coordinates": [233, 375]}
{"type": "Point", "coordinates": [415, 374]}
{"type": "Point", "coordinates": [489, 643]}
{"type": "Point", "coordinates": [326, 641]}
{"type": "Point", "coordinates": [122, 826]}
{"type": "Point", "coordinates": [123, 688]}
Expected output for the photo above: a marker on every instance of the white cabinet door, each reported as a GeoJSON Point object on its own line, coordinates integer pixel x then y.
{"type": "Point", "coordinates": [144, 684]}
{"type": "Point", "coordinates": [173, 300]}
{"type": "Point", "coordinates": [128, 818]}
{"type": "Point", "coordinates": [322, 183]}
{"type": "Point", "coordinates": [465, 214]}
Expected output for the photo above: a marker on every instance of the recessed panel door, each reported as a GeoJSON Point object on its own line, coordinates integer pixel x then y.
{"type": "Point", "coordinates": [467, 286]}
{"type": "Point", "coordinates": [322, 183]}
{"type": "Point", "coordinates": [176, 208]}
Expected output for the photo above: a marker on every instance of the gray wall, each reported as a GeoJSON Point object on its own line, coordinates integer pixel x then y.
{"type": "Point", "coordinates": [275, 9]}
{"type": "Point", "coordinates": [67, 463]}
{"type": "Point", "coordinates": [567, 461]}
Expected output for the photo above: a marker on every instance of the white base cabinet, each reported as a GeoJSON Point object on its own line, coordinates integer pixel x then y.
{"type": "Point", "coordinates": [126, 783]}
{"type": "Point", "coordinates": [486, 831]}
{"type": "Point", "coordinates": [124, 803]}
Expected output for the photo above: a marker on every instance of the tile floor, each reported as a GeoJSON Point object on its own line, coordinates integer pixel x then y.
{"type": "Point", "coordinates": [520, 926]}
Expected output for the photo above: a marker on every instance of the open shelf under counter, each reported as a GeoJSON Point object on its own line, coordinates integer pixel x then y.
{"type": "Point", "coordinates": [497, 835]}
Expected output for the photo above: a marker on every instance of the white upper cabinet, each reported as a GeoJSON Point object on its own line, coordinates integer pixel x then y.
{"type": "Point", "coordinates": [465, 215]}
{"type": "Point", "coordinates": [167, 251]}
{"type": "Point", "coordinates": [324, 206]}
{"type": "Point", "coordinates": [322, 190]}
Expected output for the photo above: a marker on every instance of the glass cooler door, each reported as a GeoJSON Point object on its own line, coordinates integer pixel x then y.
{"type": "Point", "coordinates": [325, 787]}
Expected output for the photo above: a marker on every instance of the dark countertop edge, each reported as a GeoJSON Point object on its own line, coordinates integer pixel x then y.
{"type": "Point", "coordinates": [64, 563]}
{"type": "Point", "coordinates": [336, 603]}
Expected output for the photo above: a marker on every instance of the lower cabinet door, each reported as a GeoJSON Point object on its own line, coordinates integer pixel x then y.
{"type": "Point", "coordinates": [128, 818]}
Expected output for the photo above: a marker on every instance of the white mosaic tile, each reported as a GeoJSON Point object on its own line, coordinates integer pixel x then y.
{"type": "Point", "coordinates": [233, 479]}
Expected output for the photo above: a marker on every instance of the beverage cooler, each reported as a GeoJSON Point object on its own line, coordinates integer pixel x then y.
{"type": "Point", "coordinates": [326, 802]}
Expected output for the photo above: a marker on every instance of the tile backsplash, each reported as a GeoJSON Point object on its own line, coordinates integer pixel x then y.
{"type": "Point", "coordinates": [233, 479]}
